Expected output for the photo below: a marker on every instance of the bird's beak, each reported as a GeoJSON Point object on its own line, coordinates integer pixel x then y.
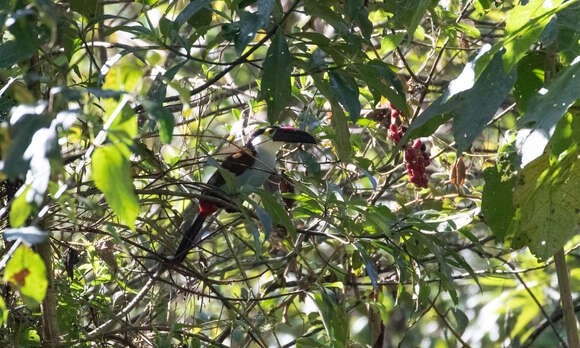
{"type": "Point", "coordinates": [293, 135]}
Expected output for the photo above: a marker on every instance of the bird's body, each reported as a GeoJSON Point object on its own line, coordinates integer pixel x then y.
{"type": "Point", "coordinates": [252, 165]}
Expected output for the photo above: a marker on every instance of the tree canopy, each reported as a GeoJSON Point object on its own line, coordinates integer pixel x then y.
{"type": "Point", "coordinates": [440, 206]}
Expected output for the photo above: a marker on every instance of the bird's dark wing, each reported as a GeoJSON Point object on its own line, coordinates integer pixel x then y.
{"type": "Point", "coordinates": [236, 163]}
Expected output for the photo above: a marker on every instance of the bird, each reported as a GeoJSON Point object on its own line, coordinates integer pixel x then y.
{"type": "Point", "coordinates": [252, 165]}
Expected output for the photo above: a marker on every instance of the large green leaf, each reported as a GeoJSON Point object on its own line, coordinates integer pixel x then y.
{"type": "Point", "coordinates": [497, 202]}
{"type": "Point", "coordinates": [530, 78]}
{"type": "Point", "coordinates": [322, 9]}
{"type": "Point", "coordinates": [471, 103]}
{"type": "Point", "coordinates": [276, 88]}
{"type": "Point", "coordinates": [339, 121]}
{"type": "Point", "coordinates": [12, 52]}
{"type": "Point", "coordinates": [344, 86]}
{"type": "Point", "coordinates": [112, 175]}
{"type": "Point", "coordinates": [333, 317]}
{"type": "Point", "coordinates": [547, 202]}
{"type": "Point", "coordinates": [26, 273]}
{"type": "Point", "coordinates": [382, 81]}
{"type": "Point", "coordinates": [191, 9]}
{"type": "Point", "coordinates": [524, 26]}
{"type": "Point", "coordinates": [408, 13]}
{"type": "Point", "coordinates": [358, 13]}
{"type": "Point", "coordinates": [545, 109]}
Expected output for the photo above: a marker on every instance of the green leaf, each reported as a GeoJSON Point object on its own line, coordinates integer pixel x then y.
{"type": "Point", "coordinates": [333, 317]}
{"type": "Point", "coordinates": [20, 210]}
{"type": "Point", "coordinates": [567, 134]}
{"type": "Point", "coordinates": [342, 134]}
{"type": "Point", "coordinates": [530, 78]}
{"type": "Point", "coordinates": [12, 52]}
{"type": "Point", "coordinates": [547, 202]}
{"type": "Point", "coordinates": [568, 33]}
{"type": "Point", "coordinates": [497, 202]}
{"type": "Point", "coordinates": [112, 175]}
{"type": "Point", "coordinates": [345, 88]}
{"type": "Point", "coordinates": [358, 13]}
{"type": "Point", "coordinates": [277, 212]}
{"type": "Point", "coordinates": [382, 81]}
{"type": "Point", "coordinates": [91, 9]}
{"type": "Point", "coordinates": [3, 311]}
{"type": "Point", "coordinates": [26, 273]}
{"type": "Point", "coordinates": [369, 266]}
{"type": "Point", "coordinates": [164, 118]}
{"type": "Point", "coordinates": [524, 26]}
{"type": "Point", "coordinates": [190, 10]}
{"type": "Point", "coordinates": [276, 89]}
{"type": "Point", "coordinates": [472, 103]}
{"type": "Point", "coordinates": [248, 27]}
{"type": "Point", "coordinates": [322, 10]}
{"type": "Point", "coordinates": [408, 13]}
{"type": "Point", "coordinates": [545, 109]}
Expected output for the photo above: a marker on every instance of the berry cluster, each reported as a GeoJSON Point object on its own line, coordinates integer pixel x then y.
{"type": "Point", "coordinates": [396, 130]}
{"type": "Point", "coordinates": [417, 159]}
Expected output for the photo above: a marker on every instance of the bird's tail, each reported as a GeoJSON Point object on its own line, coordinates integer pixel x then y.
{"type": "Point", "coordinates": [189, 238]}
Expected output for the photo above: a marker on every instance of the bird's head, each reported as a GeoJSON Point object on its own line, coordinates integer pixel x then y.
{"type": "Point", "coordinates": [283, 135]}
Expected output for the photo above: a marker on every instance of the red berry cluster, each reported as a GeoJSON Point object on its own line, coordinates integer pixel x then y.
{"type": "Point", "coordinates": [396, 130]}
{"type": "Point", "coordinates": [417, 159]}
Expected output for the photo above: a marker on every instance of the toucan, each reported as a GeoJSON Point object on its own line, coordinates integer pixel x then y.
{"type": "Point", "coordinates": [252, 165]}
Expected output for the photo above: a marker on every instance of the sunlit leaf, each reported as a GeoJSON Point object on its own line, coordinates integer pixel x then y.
{"type": "Point", "coordinates": [472, 103]}
{"type": "Point", "coordinates": [26, 273]}
{"type": "Point", "coordinates": [3, 311]}
{"type": "Point", "coordinates": [547, 199]}
{"type": "Point", "coordinates": [112, 175]}
{"type": "Point", "coordinates": [19, 210]}
{"type": "Point", "coordinates": [545, 109]}
{"type": "Point", "coordinates": [523, 27]}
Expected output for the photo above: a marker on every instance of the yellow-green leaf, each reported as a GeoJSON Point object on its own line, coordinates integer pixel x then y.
{"type": "Point", "coordinates": [26, 273]}
{"type": "Point", "coordinates": [112, 175]}
{"type": "Point", "coordinates": [19, 210]}
{"type": "Point", "coordinates": [3, 311]}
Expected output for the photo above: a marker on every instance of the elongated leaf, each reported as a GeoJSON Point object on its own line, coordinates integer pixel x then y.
{"type": "Point", "coordinates": [471, 103]}
{"type": "Point", "coordinates": [3, 311]}
{"type": "Point", "coordinates": [382, 81]}
{"type": "Point", "coordinates": [334, 319]}
{"type": "Point", "coordinates": [344, 86]}
{"type": "Point", "coordinates": [369, 266]}
{"type": "Point", "coordinates": [26, 272]}
{"type": "Point", "coordinates": [276, 89]}
{"type": "Point", "coordinates": [545, 109]}
{"type": "Point", "coordinates": [20, 210]}
{"type": "Point", "coordinates": [112, 175]}
{"type": "Point", "coordinates": [339, 121]}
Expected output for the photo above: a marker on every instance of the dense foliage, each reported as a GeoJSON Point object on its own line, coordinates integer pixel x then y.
{"type": "Point", "coordinates": [445, 178]}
